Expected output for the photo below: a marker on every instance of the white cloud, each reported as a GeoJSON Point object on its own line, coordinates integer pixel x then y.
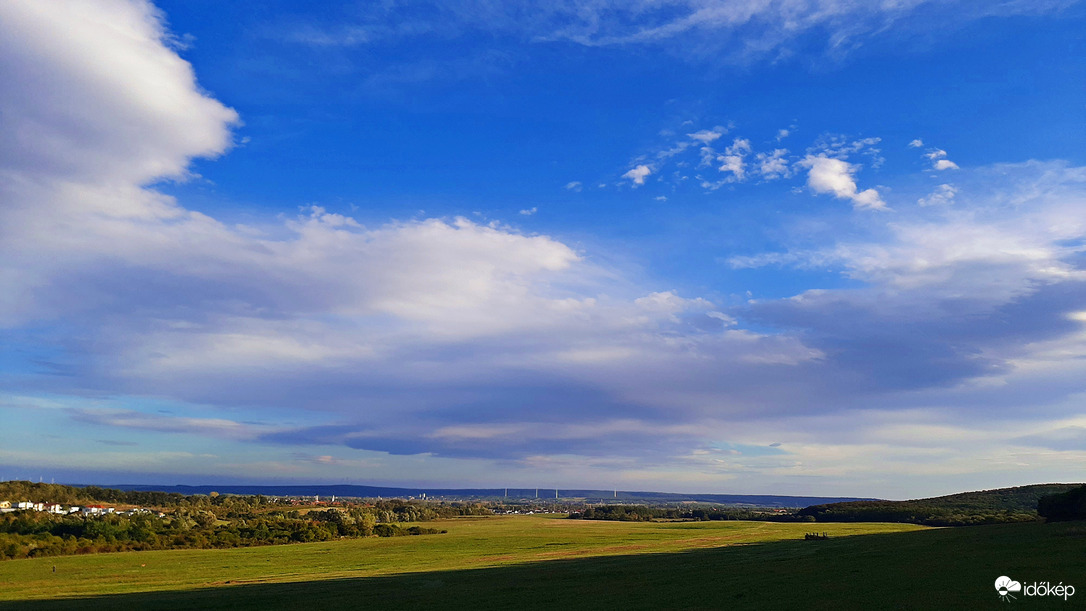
{"type": "Point", "coordinates": [661, 198]}
{"type": "Point", "coordinates": [772, 166]}
{"type": "Point", "coordinates": [840, 147]}
{"type": "Point", "coordinates": [750, 30]}
{"type": "Point", "coordinates": [574, 185]}
{"type": "Point", "coordinates": [708, 156]}
{"type": "Point", "coordinates": [782, 134]}
{"type": "Point", "coordinates": [733, 159]}
{"type": "Point", "coordinates": [121, 105]}
{"type": "Point", "coordinates": [708, 136]}
{"type": "Point", "coordinates": [530, 211]}
{"type": "Point", "coordinates": [939, 160]}
{"type": "Point", "coordinates": [738, 162]}
{"type": "Point", "coordinates": [638, 174]}
{"type": "Point", "coordinates": [1016, 228]}
{"type": "Point", "coordinates": [666, 302]}
{"type": "Point", "coordinates": [371, 323]}
{"type": "Point", "coordinates": [917, 143]}
{"type": "Point", "coordinates": [213, 427]}
{"type": "Point", "coordinates": [828, 175]}
{"type": "Point", "coordinates": [677, 149]}
{"type": "Point", "coordinates": [943, 195]}
{"type": "Point", "coordinates": [728, 321]}
{"type": "Point", "coordinates": [987, 250]}
{"type": "Point", "coordinates": [720, 30]}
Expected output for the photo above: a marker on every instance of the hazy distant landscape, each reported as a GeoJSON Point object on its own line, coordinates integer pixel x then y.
{"type": "Point", "coordinates": [543, 494]}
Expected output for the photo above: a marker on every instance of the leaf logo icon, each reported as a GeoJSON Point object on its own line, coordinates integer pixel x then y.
{"type": "Point", "coordinates": [1005, 585]}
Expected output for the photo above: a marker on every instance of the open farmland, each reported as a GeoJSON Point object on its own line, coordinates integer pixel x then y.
{"type": "Point", "coordinates": [539, 561]}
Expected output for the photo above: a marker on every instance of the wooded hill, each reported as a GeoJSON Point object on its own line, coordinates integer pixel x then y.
{"type": "Point", "coordinates": [1018, 504]}
{"type": "Point", "coordinates": [34, 492]}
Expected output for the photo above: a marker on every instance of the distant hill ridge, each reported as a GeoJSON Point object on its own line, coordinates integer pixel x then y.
{"type": "Point", "coordinates": [1017, 504]}
{"type": "Point", "coordinates": [1018, 497]}
{"type": "Point", "coordinates": [348, 490]}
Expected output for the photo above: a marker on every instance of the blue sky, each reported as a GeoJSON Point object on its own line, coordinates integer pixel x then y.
{"type": "Point", "coordinates": [793, 247]}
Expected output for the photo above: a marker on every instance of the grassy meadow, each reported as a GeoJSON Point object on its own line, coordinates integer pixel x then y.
{"type": "Point", "coordinates": [542, 561]}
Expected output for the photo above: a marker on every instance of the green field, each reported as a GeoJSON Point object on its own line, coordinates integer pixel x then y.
{"type": "Point", "coordinates": [538, 562]}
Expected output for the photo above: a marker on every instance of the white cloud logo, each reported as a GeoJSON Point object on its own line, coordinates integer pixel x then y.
{"type": "Point", "coordinates": [1005, 585]}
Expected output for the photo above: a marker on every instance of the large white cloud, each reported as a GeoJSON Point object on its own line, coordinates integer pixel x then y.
{"type": "Point", "coordinates": [100, 96]}
{"type": "Point", "coordinates": [836, 176]}
{"type": "Point", "coordinates": [362, 326]}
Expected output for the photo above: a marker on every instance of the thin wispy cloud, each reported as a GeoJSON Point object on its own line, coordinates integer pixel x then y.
{"type": "Point", "coordinates": [743, 32]}
{"type": "Point", "coordinates": [943, 195]}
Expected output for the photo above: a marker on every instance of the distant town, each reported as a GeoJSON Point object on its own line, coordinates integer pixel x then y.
{"type": "Point", "coordinates": [86, 510]}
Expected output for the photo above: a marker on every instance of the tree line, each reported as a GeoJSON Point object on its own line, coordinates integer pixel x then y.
{"type": "Point", "coordinates": [201, 521]}
{"type": "Point", "coordinates": [911, 512]}
{"type": "Point", "coordinates": [72, 495]}
{"type": "Point", "coordinates": [644, 513]}
{"type": "Point", "coordinates": [1070, 505]}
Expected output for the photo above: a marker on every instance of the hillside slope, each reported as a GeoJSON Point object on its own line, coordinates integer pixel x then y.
{"type": "Point", "coordinates": [1018, 504]}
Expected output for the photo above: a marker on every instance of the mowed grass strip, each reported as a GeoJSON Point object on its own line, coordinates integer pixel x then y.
{"type": "Point", "coordinates": [470, 543]}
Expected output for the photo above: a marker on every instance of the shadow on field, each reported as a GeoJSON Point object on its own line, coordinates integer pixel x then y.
{"type": "Point", "coordinates": [945, 568]}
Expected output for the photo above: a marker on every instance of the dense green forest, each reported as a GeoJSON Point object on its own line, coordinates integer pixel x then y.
{"type": "Point", "coordinates": [982, 507]}
{"type": "Point", "coordinates": [1070, 505]}
{"type": "Point", "coordinates": [197, 521]}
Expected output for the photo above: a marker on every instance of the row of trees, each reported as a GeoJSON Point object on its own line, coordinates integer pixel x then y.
{"type": "Point", "coordinates": [29, 534]}
{"type": "Point", "coordinates": [199, 521]}
{"type": "Point", "coordinates": [911, 512]}
{"type": "Point", "coordinates": [644, 513]}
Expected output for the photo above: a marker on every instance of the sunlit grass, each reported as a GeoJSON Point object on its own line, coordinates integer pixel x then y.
{"type": "Point", "coordinates": [549, 563]}
{"type": "Point", "coordinates": [470, 543]}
